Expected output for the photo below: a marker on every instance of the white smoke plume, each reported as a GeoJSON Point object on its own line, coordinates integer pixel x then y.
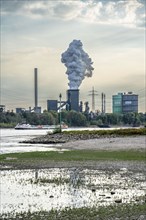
{"type": "Point", "coordinates": [78, 64]}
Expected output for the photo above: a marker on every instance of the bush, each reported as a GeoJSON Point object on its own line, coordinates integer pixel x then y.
{"type": "Point", "coordinates": [57, 130]}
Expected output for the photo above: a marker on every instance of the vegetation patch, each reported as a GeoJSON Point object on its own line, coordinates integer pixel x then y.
{"type": "Point", "coordinates": [73, 118]}
{"type": "Point", "coordinates": [66, 136]}
{"type": "Point", "coordinates": [7, 125]}
{"type": "Point", "coordinates": [123, 132]}
{"type": "Point", "coordinates": [56, 181]}
{"type": "Point", "coordinates": [74, 155]}
{"type": "Point", "coordinates": [120, 211]}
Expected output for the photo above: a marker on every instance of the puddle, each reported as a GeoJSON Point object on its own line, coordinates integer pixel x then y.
{"type": "Point", "coordinates": [37, 190]}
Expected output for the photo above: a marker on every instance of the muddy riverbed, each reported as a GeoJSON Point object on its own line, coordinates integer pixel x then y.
{"type": "Point", "coordinates": [57, 185]}
{"type": "Point", "coordinates": [58, 188]}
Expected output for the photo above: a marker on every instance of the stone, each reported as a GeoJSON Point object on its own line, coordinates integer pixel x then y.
{"type": "Point", "coordinates": [142, 217]}
{"type": "Point", "coordinates": [118, 200]}
{"type": "Point", "coordinates": [93, 190]}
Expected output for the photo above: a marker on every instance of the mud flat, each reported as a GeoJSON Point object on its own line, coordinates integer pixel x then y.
{"type": "Point", "coordinates": [73, 183]}
{"type": "Point", "coordinates": [134, 144]}
{"type": "Point", "coordinates": [109, 143]}
{"type": "Point", "coordinates": [69, 193]}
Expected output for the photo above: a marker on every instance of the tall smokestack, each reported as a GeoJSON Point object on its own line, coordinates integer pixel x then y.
{"type": "Point", "coordinates": [36, 86]}
{"type": "Point", "coordinates": [73, 99]}
{"type": "Point", "coordinates": [103, 103]}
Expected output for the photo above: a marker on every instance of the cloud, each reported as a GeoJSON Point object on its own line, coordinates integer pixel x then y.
{"type": "Point", "coordinates": [122, 12]}
{"type": "Point", "coordinates": [8, 6]}
{"type": "Point", "coordinates": [67, 10]}
{"type": "Point", "coordinates": [36, 32]}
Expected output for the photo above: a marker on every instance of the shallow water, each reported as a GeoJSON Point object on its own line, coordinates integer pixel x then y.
{"type": "Point", "coordinates": [10, 139]}
{"type": "Point", "coordinates": [24, 190]}
{"type": "Point", "coordinates": [44, 189]}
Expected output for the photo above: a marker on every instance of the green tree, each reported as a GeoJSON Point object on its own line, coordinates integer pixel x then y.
{"type": "Point", "coordinates": [129, 118]}
{"type": "Point", "coordinates": [76, 119]}
{"type": "Point", "coordinates": [64, 114]}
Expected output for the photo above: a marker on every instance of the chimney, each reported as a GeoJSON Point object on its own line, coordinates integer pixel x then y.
{"type": "Point", "coordinates": [36, 87]}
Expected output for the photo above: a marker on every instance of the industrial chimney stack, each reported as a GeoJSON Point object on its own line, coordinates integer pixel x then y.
{"type": "Point", "coordinates": [73, 99]}
{"type": "Point", "coordinates": [36, 87]}
{"type": "Point", "coordinates": [36, 108]}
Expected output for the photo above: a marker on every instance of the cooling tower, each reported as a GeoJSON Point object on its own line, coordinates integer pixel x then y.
{"type": "Point", "coordinates": [73, 99]}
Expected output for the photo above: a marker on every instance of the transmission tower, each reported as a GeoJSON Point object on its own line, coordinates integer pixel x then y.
{"type": "Point", "coordinates": [93, 93]}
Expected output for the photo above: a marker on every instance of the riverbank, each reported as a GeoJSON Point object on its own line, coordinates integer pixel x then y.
{"type": "Point", "coordinates": [101, 149]}
{"type": "Point", "coordinates": [113, 212]}
{"type": "Point", "coordinates": [78, 135]}
{"type": "Point", "coordinates": [102, 153]}
{"type": "Point", "coordinates": [118, 154]}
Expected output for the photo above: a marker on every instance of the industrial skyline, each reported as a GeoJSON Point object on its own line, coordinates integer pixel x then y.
{"type": "Point", "coordinates": [36, 33]}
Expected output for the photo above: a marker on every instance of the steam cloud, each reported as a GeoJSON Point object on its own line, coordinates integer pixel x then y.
{"type": "Point", "coordinates": [78, 64]}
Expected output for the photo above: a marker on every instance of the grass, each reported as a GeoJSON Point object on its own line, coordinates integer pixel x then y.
{"type": "Point", "coordinates": [7, 125]}
{"type": "Point", "coordinates": [122, 211]}
{"type": "Point", "coordinates": [74, 155]}
{"type": "Point", "coordinates": [121, 132]}
{"type": "Point", "coordinates": [56, 181]}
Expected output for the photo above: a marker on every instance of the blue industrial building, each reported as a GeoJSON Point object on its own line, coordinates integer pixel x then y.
{"type": "Point", "coordinates": [125, 102]}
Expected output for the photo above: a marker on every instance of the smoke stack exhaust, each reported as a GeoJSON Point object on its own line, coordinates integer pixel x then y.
{"type": "Point", "coordinates": [36, 87]}
{"type": "Point", "coordinates": [78, 64]}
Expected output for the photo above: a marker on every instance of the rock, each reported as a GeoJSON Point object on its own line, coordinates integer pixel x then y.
{"type": "Point", "coordinates": [123, 169]}
{"type": "Point", "coordinates": [142, 217]}
{"type": "Point", "coordinates": [112, 192]}
{"type": "Point", "coordinates": [118, 200]}
{"type": "Point", "coordinates": [11, 158]}
{"type": "Point", "coordinates": [93, 190]}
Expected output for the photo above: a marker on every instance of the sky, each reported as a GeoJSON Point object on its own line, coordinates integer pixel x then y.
{"type": "Point", "coordinates": [34, 34]}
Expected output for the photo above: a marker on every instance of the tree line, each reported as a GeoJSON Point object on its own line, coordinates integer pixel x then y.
{"type": "Point", "coordinates": [72, 118]}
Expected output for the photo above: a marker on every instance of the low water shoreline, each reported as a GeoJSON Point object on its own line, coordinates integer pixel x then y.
{"type": "Point", "coordinates": [105, 144]}
{"type": "Point", "coordinates": [83, 143]}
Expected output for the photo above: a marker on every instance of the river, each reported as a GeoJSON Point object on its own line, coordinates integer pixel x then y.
{"type": "Point", "coordinates": [10, 139]}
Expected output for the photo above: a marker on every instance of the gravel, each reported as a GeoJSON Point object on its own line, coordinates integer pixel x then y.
{"type": "Point", "coordinates": [112, 143]}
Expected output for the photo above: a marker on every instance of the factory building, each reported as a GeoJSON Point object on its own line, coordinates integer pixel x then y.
{"type": "Point", "coordinates": [20, 110]}
{"type": "Point", "coordinates": [117, 103]}
{"type": "Point", "coordinates": [73, 99]}
{"type": "Point", "coordinates": [52, 105]}
{"type": "Point", "coordinates": [125, 102]}
{"type": "Point", "coordinates": [71, 103]}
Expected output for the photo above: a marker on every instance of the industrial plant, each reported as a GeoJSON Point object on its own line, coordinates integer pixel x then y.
{"type": "Point", "coordinates": [125, 102]}
{"type": "Point", "coordinates": [79, 66]}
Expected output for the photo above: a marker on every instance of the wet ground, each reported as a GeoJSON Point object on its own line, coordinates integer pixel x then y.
{"type": "Point", "coordinates": [109, 143]}
{"type": "Point", "coordinates": [70, 184]}
{"type": "Point", "coordinates": [57, 188]}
